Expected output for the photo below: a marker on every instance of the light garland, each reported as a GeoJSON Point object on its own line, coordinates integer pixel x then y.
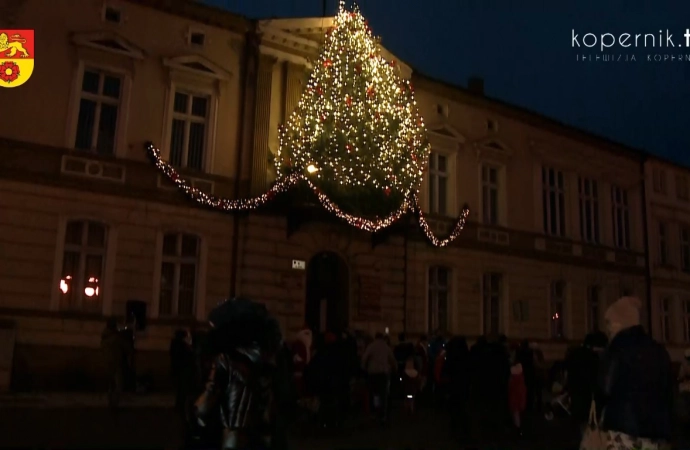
{"type": "Point", "coordinates": [286, 183]}
{"type": "Point", "coordinates": [366, 131]}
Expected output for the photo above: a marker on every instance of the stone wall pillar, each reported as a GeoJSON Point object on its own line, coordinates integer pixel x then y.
{"type": "Point", "coordinates": [261, 152]}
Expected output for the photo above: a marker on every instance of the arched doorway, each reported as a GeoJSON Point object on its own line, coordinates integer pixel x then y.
{"type": "Point", "coordinates": [328, 293]}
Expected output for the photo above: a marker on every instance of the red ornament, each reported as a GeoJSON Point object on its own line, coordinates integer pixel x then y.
{"type": "Point", "coordinates": [348, 100]}
{"type": "Point", "coordinates": [358, 68]}
{"type": "Point", "coordinates": [319, 90]}
{"type": "Point", "coordinates": [348, 147]}
{"type": "Point", "coordinates": [387, 191]}
{"type": "Point", "coordinates": [323, 118]}
{"type": "Point", "coordinates": [327, 63]}
{"type": "Point", "coordinates": [393, 63]}
{"type": "Point", "coordinates": [270, 195]}
{"type": "Point", "coordinates": [414, 157]}
{"type": "Point", "coordinates": [371, 91]}
{"type": "Point", "coordinates": [9, 71]}
{"type": "Point", "coordinates": [174, 176]}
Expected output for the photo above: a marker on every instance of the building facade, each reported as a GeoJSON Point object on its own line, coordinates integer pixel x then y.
{"type": "Point", "coordinates": [668, 215]}
{"type": "Point", "coordinates": [556, 231]}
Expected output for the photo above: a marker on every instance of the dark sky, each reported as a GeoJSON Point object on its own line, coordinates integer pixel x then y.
{"type": "Point", "coordinates": [523, 50]}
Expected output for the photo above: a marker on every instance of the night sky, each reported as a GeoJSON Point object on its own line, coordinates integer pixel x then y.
{"type": "Point", "coordinates": [523, 50]}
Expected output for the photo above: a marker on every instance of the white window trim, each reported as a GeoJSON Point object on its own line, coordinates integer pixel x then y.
{"type": "Point", "coordinates": [502, 193]}
{"type": "Point", "coordinates": [202, 272]}
{"type": "Point", "coordinates": [211, 120]}
{"type": "Point", "coordinates": [120, 150]}
{"type": "Point", "coordinates": [452, 209]}
{"type": "Point", "coordinates": [108, 264]}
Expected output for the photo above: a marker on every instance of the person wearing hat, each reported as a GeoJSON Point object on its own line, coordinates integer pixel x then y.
{"type": "Point", "coordinates": [636, 382]}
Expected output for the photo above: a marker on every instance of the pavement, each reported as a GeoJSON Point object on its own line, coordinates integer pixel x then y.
{"type": "Point", "coordinates": [155, 427]}
{"type": "Point", "coordinates": [60, 400]}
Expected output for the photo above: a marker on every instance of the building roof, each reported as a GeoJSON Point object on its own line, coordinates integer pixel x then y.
{"type": "Point", "coordinates": [197, 11]}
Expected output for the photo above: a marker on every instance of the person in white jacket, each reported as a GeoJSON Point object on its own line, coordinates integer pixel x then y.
{"type": "Point", "coordinates": [379, 363]}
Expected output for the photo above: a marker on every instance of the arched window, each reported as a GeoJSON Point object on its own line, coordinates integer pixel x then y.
{"type": "Point", "coordinates": [179, 268]}
{"type": "Point", "coordinates": [83, 261]}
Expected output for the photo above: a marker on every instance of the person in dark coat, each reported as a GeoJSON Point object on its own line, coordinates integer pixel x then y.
{"type": "Point", "coordinates": [182, 370]}
{"type": "Point", "coordinates": [582, 367]}
{"type": "Point", "coordinates": [115, 352]}
{"type": "Point", "coordinates": [636, 381]}
{"type": "Point", "coordinates": [457, 372]}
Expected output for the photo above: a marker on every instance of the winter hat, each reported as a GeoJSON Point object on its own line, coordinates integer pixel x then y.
{"type": "Point", "coordinates": [624, 313]}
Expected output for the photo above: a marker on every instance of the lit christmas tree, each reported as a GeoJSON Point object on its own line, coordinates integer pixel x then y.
{"type": "Point", "coordinates": [356, 132]}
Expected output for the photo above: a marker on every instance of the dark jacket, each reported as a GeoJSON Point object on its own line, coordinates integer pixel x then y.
{"type": "Point", "coordinates": [582, 365]}
{"type": "Point", "coordinates": [636, 382]}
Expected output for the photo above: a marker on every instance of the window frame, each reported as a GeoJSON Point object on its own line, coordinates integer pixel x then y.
{"type": "Point", "coordinates": [200, 293]}
{"type": "Point", "coordinates": [433, 180]}
{"type": "Point", "coordinates": [594, 324]}
{"type": "Point", "coordinates": [682, 188]}
{"type": "Point", "coordinates": [662, 241]}
{"type": "Point", "coordinates": [488, 297]}
{"type": "Point", "coordinates": [563, 300]}
{"type": "Point", "coordinates": [561, 209]}
{"type": "Point", "coordinates": [659, 184]}
{"type": "Point", "coordinates": [485, 186]}
{"type": "Point", "coordinates": [434, 287]}
{"type": "Point", "coordinates": [108, 268]}
{"type": "Point", "coordinates": [177, 261]}
{"type": "Point", "coordinates": [201, 89]}
{"type": "Point", "coordinates": [120, 139]}
{"type": "Point", "coordinates": [589, 202]}
{"type": "Point", "coordinates": [684, 244]}
{"type": "Point", "coordinates": [621, 208]}
{"type": "Point", "coordinates": [665, 319]}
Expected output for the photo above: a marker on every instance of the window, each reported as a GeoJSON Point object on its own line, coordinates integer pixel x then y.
{"type": "Point", "coordinates": [659, 181]}
{"type": "Point", "coordinates": [439, 291]}
{"type": "Point", "coordinates": [438, 183]}
{"type": "Point", "coordinates": [491, 126]}
{"type": "Point", "coordinates": [82, 266]}
{"type": "Point", "coordinates": [553, 199]}
{"type": "Point", "coordinates": [491, 302]}
{"type": "Point", "coordinates": [188, 130]}
{"type": "Point", "coordinates": [490, 194]}
{"type": "Point", "coordinates": [179, 275]}
{"type": "Point", "coordinates": [621, 218]}
{"type": "Point", "coordinates": [682, 191]}
{"type": "Point", "coordinates": [197, 38]}
{"type": "Point", "coordinates": [663, 244]}
{"type": "Point", "coordinates": [685, 249]}
{"type": "Point", "coordinates": [665, 315]}
{"type": "Point", "coordinates": [686, 320]}
{"type": "Point", "coordinates": [593, 308]}
{"type": "Point", "coordinates": [98, 110]}
{"type": "Point", "coordinates": [625, 291]}
{"type": "Point", "coordinates": [589, 210]}
{"type": "Point", "coordinates": [442, 110]}
{"type": "Point", "coordinates": [558, 310]}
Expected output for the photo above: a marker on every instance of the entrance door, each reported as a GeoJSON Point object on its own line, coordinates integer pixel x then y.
{"type": "Point", "coordinates": [327, 303]}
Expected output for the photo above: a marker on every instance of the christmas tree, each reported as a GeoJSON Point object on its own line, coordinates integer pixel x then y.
{"type": "Point", "coordinates": [356, 133]}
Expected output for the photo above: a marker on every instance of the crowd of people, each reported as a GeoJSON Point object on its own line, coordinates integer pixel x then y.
{"type": "Point", "coordinates": [622, 375]}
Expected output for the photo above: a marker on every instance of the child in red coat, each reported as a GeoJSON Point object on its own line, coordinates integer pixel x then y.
{"type": "Point", "coordinates": [517, 393]}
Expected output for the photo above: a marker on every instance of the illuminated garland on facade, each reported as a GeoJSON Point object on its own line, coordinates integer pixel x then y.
{"type": "Point", "coordinates": [357, 125]}
{"type": "Point", "coordinates": [285, 184]}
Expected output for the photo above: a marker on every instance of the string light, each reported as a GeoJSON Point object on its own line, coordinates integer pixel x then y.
{"type": "Point", "coordinates": [356, 124]}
